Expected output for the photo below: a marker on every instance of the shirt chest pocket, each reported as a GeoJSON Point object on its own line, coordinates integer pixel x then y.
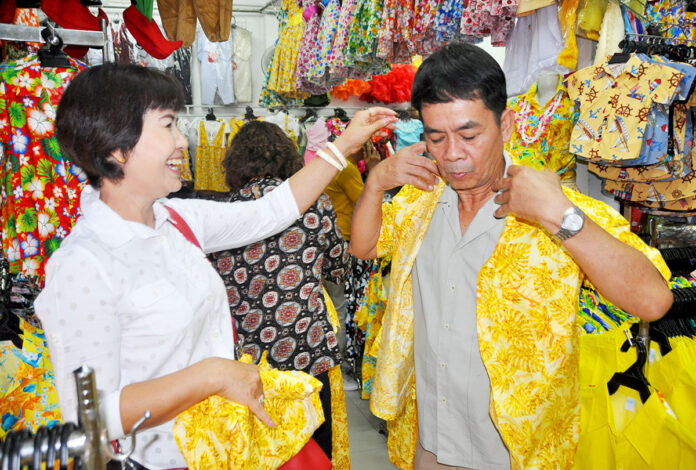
{"type": "Point", "coordinates": [159, 308]}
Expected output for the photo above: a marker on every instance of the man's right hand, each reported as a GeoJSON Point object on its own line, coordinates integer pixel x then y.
{"type": "Point", "coordinates": [406, 166]}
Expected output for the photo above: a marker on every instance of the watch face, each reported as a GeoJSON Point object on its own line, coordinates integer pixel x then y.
{"type": "Point", "coordinates": [573, 222]}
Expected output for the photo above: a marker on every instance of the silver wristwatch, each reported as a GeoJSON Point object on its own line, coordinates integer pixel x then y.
{"type": "Point", "coordinates": [573, 221]}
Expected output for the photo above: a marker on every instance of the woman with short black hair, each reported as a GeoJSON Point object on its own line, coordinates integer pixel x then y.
{"type": "Point", "coordinates": [129, 292]}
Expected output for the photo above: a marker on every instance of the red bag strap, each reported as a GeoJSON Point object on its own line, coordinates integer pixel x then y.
{"type": "Point", "coordinates": [180, 224]}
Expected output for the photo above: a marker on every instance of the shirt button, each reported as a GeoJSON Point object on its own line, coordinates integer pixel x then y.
{"type": "Point", "coordinates": [443, 365]}
{"type": "Point", "coordinates": [446, 326]}
{"type": "Point", "coordinates": [452, 287]}
{"type": "Point", "coordinates": [444, 400]}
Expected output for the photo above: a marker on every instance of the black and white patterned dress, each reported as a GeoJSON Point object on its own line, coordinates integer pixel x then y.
{"type": "Point", "coordinates": [275, 291]}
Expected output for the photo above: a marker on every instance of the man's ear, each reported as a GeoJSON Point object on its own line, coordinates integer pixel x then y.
{"type": "Point", "coordinates": [507, 123]}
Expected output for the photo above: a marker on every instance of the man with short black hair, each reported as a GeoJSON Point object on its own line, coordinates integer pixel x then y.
{"type": "Point", "coordinates": [487, 262]}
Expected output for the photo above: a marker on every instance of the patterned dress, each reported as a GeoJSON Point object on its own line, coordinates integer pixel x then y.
{"type": "Point", "coordinates": [307, 55]}
{"type": "Point", "coordinates": [284, 66]}
{"type": "Point", "coordinates": [274, 287]}
{"type": "Point", "coordinates": [39, 200]}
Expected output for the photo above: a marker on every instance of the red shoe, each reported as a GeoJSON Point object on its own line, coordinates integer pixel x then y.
{"type": "Point", "coordinates": [148, 34]}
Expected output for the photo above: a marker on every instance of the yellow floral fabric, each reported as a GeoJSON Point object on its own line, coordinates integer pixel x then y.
{"type": "Point", "coordinates": [218, 433]}
{"type": "Point", "coordinates": [526, 310]}
{"type": "Point", "coordinates": [546, 129]}
{"type": "Point", "coordinates": [615, 101]}
{"type": "Point", "coordinates": [340, 446]}
{"type": "Point", "coordinates": [209, 173]}
{"type": "Point", "coordinates": [28, 397]}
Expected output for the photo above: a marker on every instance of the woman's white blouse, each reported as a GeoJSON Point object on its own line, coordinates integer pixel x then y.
{"type": "Point", "coordinates": [136, 303]}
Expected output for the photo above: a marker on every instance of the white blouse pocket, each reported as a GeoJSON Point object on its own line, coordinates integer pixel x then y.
{"type": "Point", "coordinates": [160, 308]}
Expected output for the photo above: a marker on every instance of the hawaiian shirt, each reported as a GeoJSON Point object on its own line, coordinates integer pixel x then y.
{"type": "Point", "coordinates": [541, 134]}
{"type": "Point", "coordinates": [679, 165]}
{"type": "Point", "coordinates": [615, 102]}
{"type": "Point", "coordinates": [275, 291]}
{"type": "Point", "coordinates": [28, 397]}
{"type": "Point", "coordinates": [41, 186]}
{"type": "Point", "coordinates": [534, 376]}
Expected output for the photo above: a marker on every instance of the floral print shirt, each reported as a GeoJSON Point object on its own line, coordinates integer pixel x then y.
{"type": "Point", "coordinates": [39, 199]}
{"type": "Point", "coordinates": [275, 291]}
{"type": "Point", "coordinates": [542, 132]}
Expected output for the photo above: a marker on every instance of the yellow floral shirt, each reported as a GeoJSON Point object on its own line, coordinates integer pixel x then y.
{"type": "Point", "coordinates": [218, 433]}
{"type": "Point", "coordinates": [526, 311]}
{"type": "Point", "coordinates": [615, 101]}
{"type": "Point", "coordinates": [541, 135]}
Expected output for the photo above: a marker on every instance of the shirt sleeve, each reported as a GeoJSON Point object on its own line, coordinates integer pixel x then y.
{"type": "Point", "coordinates": [387, 233]}
{"type": "Point", "coordinates": [77, 311]}
{"type": "Point", "coordinates": [609, 219]}
{"type": "Point", "coordinates": [225, 225]}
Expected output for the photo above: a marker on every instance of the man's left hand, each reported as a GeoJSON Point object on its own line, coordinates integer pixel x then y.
{"type": "Point", "coordinates": [532, 195]}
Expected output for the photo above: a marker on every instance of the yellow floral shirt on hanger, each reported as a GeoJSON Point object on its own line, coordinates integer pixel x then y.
{"type": "Point", "coordinates": [541, 135]}
{"type": "Point", "coordinates": [615, 101]}
{"type": "Point", "coordinates": [526, 310]}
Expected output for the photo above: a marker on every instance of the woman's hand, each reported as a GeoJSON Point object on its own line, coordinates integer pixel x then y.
{"type": "Point", "coordinates": [364, 123]}
{"type": "Point", "coordinates": [242, 384]}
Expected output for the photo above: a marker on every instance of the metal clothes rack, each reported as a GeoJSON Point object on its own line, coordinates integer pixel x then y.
{"type": "Point", "coordinates": [53, 35]}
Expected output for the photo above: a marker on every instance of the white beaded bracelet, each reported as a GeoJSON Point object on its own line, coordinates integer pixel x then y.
{"type": "Point", "coordinates": [338, 154]}
{"type": "Point", "coordinates": [332, 161]}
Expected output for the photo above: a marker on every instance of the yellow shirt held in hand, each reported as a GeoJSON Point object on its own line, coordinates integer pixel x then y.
{"type": "Point", "coordinates": [218, 433]}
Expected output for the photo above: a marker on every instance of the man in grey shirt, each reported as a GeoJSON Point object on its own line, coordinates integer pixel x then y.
{"type": "Point", "coordinates": [460, 94]}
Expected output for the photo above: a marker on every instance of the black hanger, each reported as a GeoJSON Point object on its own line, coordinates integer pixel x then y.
{"type": "Point", "coordinates": [211, 115]}
{"type": "Point", "coordinates": [52, 56]}
{"type": "Point", "coordinates": [249, 115]}
{"type": "Point", "coordinates": [340, 113]}
{"type": "Point", "coordinates": [310, 113]}
{"type": "Point", "coordinates": [633, 377]}
{"type": "Point", "coordinates": [9, 327]}
{"type": "Point", "coordinates": [656, 335]}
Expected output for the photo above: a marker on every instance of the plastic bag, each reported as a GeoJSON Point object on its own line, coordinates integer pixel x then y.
{"type": "Point", "coordinates": [590, 16]}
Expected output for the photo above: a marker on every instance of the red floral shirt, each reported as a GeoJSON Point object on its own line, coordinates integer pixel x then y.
{"type": "Point", "coordinates": [41, 187]}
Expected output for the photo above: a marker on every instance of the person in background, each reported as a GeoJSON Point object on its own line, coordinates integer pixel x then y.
{"type": "Point", "coordinates": [487, 261]}
{"type": "Point", "coordinates": [274, 286]}
{"type": "Point", "coordinates": [130, 292]}
{"type": "Point", "coordinates": [344, 191]}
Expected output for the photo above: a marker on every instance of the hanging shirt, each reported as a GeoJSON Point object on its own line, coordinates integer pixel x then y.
{"type": "Point", "coordinates": [216, 70]}
{"type": "Point", "coordinates": [241, 39]}
{"type": "Point", "coordinates": [41, 186]}
{"type": "Point", "coordinates": [542, 132]}
{"type": "Point", "coordinates": [317, 137]}
{"type": "Point", "coordinates": [28, 397]}
{"type": "Point", "coordinates": [615, 101]}
{"type": "Point", "coordinates": [136, 303]}
{"type": "Point", "coordinates": [533, 48]}
{"type": "Point", "coordinates": [408, 132]}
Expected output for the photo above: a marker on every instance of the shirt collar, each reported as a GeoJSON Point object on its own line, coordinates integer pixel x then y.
{"type": "Point", "coordinates": [631, 67]}
{"type": "Point", "coordinates": [110, 227]}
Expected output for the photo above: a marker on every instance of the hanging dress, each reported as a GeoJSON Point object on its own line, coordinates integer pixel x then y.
{"type": "Point", "coordinates": [209, 173]}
